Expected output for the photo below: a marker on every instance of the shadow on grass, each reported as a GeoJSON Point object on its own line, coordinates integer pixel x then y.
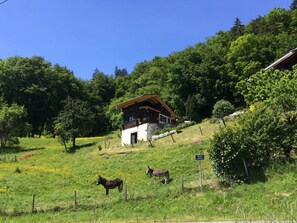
{"type": "Point", "coordinates": [169, 180]}
{"type": "Point", "coordinates": [74, 149]}
{"type": "Point", "coordinates": [191, 189]}
{"type": "Point", "coordinates": [257, 175]}
{"type": "Point", "coordinates": [18, 149]}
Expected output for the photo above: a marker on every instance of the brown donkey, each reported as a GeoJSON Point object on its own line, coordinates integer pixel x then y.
{"type": "Point", "coordinates": [110, 184]}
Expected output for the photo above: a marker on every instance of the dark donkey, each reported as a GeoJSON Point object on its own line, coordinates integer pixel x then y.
{"type": "Point", "coordinates": [158, 173]}
{"type": "Point", "coordinates": [110, 184]}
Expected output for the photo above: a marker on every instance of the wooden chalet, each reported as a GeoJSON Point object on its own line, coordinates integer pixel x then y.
{"type": "Point", "coordinates": [286, 62]}
{"type": "Point", "coordinates": [142, 115]}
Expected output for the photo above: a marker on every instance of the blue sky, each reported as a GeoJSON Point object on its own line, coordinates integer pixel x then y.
{"type": "Point", "coordinates": [87, 34]}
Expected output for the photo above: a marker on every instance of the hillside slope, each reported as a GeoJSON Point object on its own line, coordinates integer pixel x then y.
{"type": "Point", "coordinates": [43, 169]}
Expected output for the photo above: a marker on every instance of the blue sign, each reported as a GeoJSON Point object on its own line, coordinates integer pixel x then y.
{"type": "Point", "coordinates": [199, 157]}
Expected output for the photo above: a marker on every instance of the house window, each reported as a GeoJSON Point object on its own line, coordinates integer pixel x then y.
{"type": "Point", "coordinates": [164, 119]}
{"type": "Point", "coordinates": [130, 118]}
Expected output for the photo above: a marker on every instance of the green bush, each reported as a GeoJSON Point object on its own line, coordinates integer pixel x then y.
{"type": "Point", "coordinates": [226, 154]}
{"type": "Point", "coordinates": [257, 137]}
{"type": "Point", "coordinates": [221, 109]}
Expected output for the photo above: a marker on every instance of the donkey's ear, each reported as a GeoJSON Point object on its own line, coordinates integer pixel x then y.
{"type": "Point", "coordinates": [148, 167]}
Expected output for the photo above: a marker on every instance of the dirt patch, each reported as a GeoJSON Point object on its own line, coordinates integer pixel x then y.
{"type": "Point", "coordinates": [27, 155]}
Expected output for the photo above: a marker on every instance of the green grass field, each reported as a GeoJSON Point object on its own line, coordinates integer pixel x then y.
{"type": "Point", "coordinates": [43, 168]}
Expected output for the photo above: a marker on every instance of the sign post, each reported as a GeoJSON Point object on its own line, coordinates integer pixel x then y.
{"type": "Point", "coordinates": [200, 158]}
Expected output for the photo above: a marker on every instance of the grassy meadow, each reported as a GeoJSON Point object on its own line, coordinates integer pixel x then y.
{"type": "Point", "coordinates": [43, 168]}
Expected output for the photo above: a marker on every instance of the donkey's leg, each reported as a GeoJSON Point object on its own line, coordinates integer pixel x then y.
{"type": "Point", "coordinates": [120, 187]}
{"type": "Point", "coordinates": [106, 191]}
{"type": "Point", "coordinates": [166, 180]}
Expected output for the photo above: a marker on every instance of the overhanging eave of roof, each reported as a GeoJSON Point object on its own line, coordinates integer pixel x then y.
{"type": "Point", "coordinates": [287, 57]}
{"type": "Point", "coordinates": [150, 97]}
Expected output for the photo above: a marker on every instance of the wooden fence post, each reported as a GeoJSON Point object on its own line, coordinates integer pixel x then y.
{"type": "Point", "coordinates": [182, 183]}
{"type": "Point", "coordinates": [200, 130]}
{"type": "Point", "coordinates": [33, 203]}
{"type": "Point", "coordinates": [125, 193]}
{"type": "Point", "coordinates": [75, 204]}
{"type": "Point", "coordinates": [172, 138]}
{"type": "Point", "coordinates": [151, 144]}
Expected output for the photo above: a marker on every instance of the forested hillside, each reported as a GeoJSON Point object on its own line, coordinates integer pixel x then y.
{"type": "Point", "coordinates": [190, 81]}
{"type": "Point", "coordinates": [194, 79]}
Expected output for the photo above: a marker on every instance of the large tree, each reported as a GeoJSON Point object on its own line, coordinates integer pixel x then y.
{"type": "Point", "coordinates": [76, 119]}
{"type": "Point", "coordinates": [39, 87]}
{"type": "Point", "coordinates": [11, 124]}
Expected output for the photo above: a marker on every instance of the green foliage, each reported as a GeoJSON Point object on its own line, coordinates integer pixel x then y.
{"type": "Point", "coordinates": [102, 87]}
{"type": "Point", "coordinates": [259, 136]}
{"type": "Point", "coordinates": [227, 154]}
{"type": "Point", "coordinates": [115, 115]}
{"type": "Point", "coordinates": [120, 72]}
{"type": "Point", "coordinates": [274, 85]}
{"type": "Point", "coordinates": [268, 132]}
{"type": "Point", "coordinates": [193, 107]}
{"type": "Point", "coordinates": [238, 29]}
{"type": "Point", "coordinates": [64, 136]}
{"type": "Point", "coordinates": [74, 120]}
{"type": "Point", "coordinates": [11, 124]}
{"type": "Point", "coordinates": [293, 5]}
{"type": "Point", "coordinates": [248, 54]}
{"type": "Point", "coordinates": [221, 109]}
{"type": "Point", "coordinates": [39, 87]}
{"type": "Point", "coordinates": [278, 20]}
{"type": "Point", "coordinates": [278, 90]}
{"type": "Point", "coordinates": [273, 129]}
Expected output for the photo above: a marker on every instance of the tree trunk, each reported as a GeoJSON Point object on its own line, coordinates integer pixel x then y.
{"type": "Point", "coordinates": [73, 141]}
{"type": "Point", "coordinates": [65, 146]}
{"type": "Point", "coordinates": [2, 147]}
{"type": "Point", "coordinates": [224, 122]}
{"type": "Point", "coordinates": [287, 153]}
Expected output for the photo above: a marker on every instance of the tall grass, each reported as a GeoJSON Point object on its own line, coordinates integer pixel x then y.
{"type": "Point", "coordinates": [44, 169]}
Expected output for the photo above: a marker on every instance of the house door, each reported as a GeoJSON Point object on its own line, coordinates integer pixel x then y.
{"type": "Point", "coordinates": [134, 138]}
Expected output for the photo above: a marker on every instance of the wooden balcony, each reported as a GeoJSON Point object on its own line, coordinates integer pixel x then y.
{"type": "Point", "coordinates": [129, 125]}
{"type": "Point", "coordinates": [137, 122]}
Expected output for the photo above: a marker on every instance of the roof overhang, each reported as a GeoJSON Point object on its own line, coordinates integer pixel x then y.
{"type": "Point", "coordinates": [152, 98]}
{"type": "Point", "coordinates": [286, 59]}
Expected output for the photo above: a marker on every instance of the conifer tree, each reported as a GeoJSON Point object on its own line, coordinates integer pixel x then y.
{"type": "Point", "coordinates": [293, 5]}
